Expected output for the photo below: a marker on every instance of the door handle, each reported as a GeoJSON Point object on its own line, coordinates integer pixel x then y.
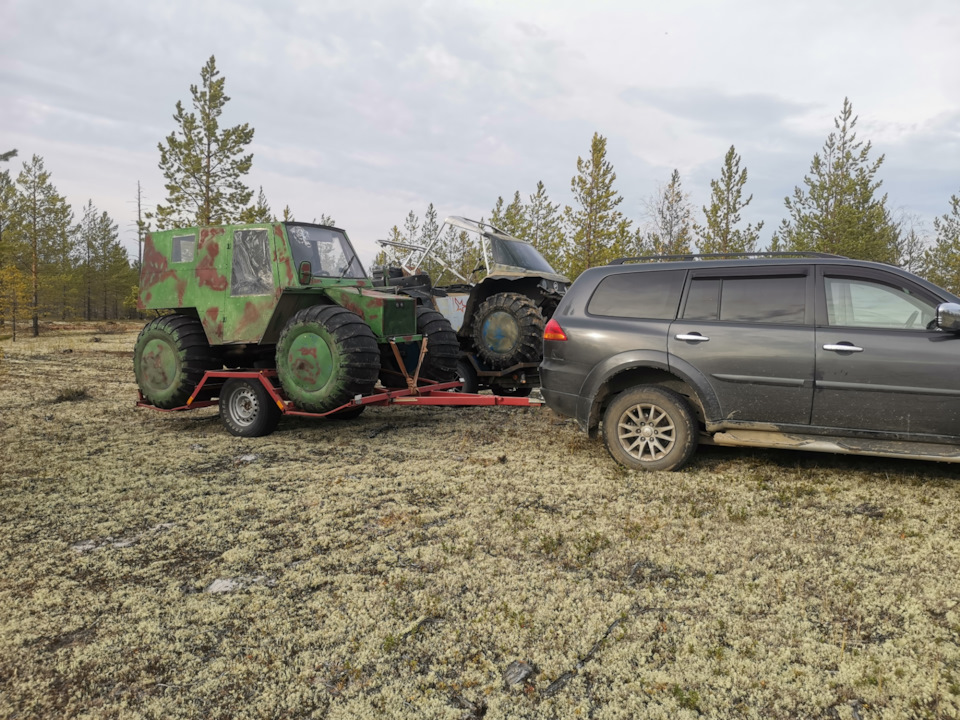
{"type": "Point", "coordinates": [692, 337]}
{"type": "Point", "coordinates": [843, 347]}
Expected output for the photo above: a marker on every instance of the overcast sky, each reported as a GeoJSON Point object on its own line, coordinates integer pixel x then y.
{"type": "Point", "coordinates": [369, 109]}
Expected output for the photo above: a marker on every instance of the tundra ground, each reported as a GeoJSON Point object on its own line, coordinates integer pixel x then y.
{"type": "Point", "coordinates": [447, 563]}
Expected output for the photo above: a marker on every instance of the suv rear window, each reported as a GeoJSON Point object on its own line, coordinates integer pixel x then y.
{"type": "Point", "coordinates": [748, 299]}
{"type": "Point", "coordinates": [648, 295]}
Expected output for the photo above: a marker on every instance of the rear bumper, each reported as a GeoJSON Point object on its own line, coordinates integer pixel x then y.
{"type": "Point", "coordinates": [561, 402]}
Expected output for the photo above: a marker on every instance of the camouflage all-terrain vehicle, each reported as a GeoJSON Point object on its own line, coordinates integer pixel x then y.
{"type": "Point", "coordinates": [500, 318]}
{"type": "Point", "coordinates": [286, 296]}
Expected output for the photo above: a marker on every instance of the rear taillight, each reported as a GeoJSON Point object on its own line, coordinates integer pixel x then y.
{"type": "Point", "coordinates": [553, 331]}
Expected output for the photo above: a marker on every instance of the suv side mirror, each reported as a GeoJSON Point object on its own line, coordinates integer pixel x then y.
{"type": "Point", "coordinates": [306, 273]}
{"type": "Point", "coordinates": [948, 317]}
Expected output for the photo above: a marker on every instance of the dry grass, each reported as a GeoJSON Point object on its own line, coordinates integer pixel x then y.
{"type": "Point", "coordinates": [397, 564]}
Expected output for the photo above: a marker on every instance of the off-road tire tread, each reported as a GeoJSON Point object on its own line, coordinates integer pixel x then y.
{"type": "Point", "coordinates": [529, 346]}
{"type": "Point", "coordinates": [356, 346]}
{"type": "Point", "coordinates": [443, 347]}
{"type": "Point", "coordinates": [197, 356]}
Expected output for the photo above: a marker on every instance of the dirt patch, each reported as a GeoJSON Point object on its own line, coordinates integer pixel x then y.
{"type": "Point", "coordinates": [448, 563]}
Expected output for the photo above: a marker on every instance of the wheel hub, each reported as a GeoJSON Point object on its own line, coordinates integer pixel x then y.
{"type": "Point", "coordinates": [244, 406]}
{"type": "Point", "coordinates": [646, 432]}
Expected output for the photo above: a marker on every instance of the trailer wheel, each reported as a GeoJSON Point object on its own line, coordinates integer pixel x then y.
{"type": "Point", "coordinates": [508, 329]}
{"type": "Point", "coordinates": [468, 376]}
{"type": "Point", "coordinates": [326, 355]}
{"type": "Point", "coordinates": [443, 349]}
{"type": "Point", "coordinates": [170, 357]}
{"type": "Point", "coordinates": [247, 409]}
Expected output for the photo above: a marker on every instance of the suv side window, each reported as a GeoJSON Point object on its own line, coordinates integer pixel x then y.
{"type": "Point", "coordinates": [760, 299]}
{"type": "Point", "coordinates": [861, 302]}
{"type": "Point", "coordinates": [652, 295]}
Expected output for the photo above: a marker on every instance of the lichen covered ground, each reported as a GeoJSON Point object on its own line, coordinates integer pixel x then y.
{"type": "Point", "coordinates": [447, 563]}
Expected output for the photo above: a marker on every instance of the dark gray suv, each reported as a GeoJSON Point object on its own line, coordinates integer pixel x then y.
{"type": "Point", "coordinates": [812, 353]}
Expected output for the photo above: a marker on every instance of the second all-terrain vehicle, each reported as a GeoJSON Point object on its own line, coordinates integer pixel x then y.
{"type": "Point", "coordinates": [292, 297]}
{"type": "Point", "coordinates": [499, 319]}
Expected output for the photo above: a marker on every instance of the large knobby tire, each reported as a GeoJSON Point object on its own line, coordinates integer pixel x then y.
{"type": "Point", "coordinates": [170, 357]}
{"type": "Point", "coordinates": [326, 355]}
{"type": "Point", "coordinates": [246, 408]}
{"type": "Point", "coordinates": [508, 329]}
{"type": "Point", "coordinates": [440, 360]}
{"type": "Point", "coordinates": [650, 428]}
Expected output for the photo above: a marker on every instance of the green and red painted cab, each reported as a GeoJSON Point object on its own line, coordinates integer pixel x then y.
{"type": "Point", "coordinates": [294, 296]}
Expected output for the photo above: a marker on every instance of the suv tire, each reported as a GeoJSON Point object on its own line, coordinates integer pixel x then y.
{"type": "Point", "coordinates": [649, 428]}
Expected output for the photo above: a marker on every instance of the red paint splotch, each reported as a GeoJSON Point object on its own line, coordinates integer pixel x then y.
{"type": "Point", "coordinates": [309, 352]}
{"type": "Point", "coordinates": [281, 256]}
{"type": "Point", "coordinates": [155, 270]}
{"type": "Point", "coordinates": [206, 270]}
{"type": "Point", "coordinates": [210, 323]}
{"type": "Point", "coordinates": [251, 316]}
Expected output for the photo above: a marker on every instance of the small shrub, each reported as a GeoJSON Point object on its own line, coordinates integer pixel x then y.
{"type": "Point", "coordinates": [72, 395]}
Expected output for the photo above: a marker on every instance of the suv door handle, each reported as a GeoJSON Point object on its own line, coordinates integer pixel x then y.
{"type": "Point", "coordinates": [843, 347]}
{"type": "Point", "coordinates": [693, 337]}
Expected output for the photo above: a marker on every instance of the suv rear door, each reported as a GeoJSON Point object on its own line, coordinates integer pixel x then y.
{"type": "Point", "coordinates": [750, 332]}
{"type": "Point", "coordinates": [899, 375]}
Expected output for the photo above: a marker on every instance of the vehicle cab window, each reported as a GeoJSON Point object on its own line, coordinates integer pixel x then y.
{"type": "Point", "coordinates": [861, 302]}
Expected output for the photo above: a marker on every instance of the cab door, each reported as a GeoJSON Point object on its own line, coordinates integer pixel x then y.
{"type": "Point", "coordinates": [881, 363]}
{"type": "Point", "coordinates": [252, 295]}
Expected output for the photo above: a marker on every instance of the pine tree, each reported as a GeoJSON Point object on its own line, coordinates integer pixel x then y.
{"type": "Point", "coordinates": [838, 212]}
{"type": "Point", "coordinates": [497, 215]}
{"type": "Point", "coordinates": [515, 220]}
{"type": "Point", "coordinates": [389, 255]}
{"type": "Point", "coordinates": [670, 230]}
{"type": "Point", "coordinates": [106, 270]}
{"type": "Point", "coordinates": [595, 230]}
{"type": "Point", "coordinates": [428, 233]}
{"type": "Point", "coordinates": [259, 212]}
{"type": "Point", "coordinates": [204, 165]}
{"type": "Point", "coordinates": [941, 262]}
{"type": "Point", "coordinates": [545, 226]}
{"type": "Point", "coordinates": [911, 243]}
{"type": "Point", "coordinates": [720, 234]}
{"type": "Point", "coordinates": [45, 219]}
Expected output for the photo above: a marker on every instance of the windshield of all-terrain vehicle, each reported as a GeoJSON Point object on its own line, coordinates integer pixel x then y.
{"type": "Point", "coordinates": [327, 250]}
{"type": "Point", "coordinates": [518, 254]}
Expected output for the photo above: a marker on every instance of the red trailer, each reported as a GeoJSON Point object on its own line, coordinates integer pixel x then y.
{"type": "Point", "coordinates": [252, 402]}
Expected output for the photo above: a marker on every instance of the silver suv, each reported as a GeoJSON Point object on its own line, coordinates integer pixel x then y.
{"type": "Point", "coordinates": [778, 350]}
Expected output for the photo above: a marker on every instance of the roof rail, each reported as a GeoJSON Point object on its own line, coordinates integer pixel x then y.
{"type": "Point", "coordinates": [724, 256]}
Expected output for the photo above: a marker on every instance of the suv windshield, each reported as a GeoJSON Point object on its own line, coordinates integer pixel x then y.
{"type": "Point", "coordinates": [327, 250]}
{"type": "Point", "coordinates": [516, 253]}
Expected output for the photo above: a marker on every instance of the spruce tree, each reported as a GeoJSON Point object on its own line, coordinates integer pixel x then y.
{"type": "Point", "coordinates": [720, 234]}
{"type": "Point", "coordinates": [595, 228]}
{"type": "Point", "coordinates": [839, 212]}
{"type": "Point", "coordinates": [202, 163]}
